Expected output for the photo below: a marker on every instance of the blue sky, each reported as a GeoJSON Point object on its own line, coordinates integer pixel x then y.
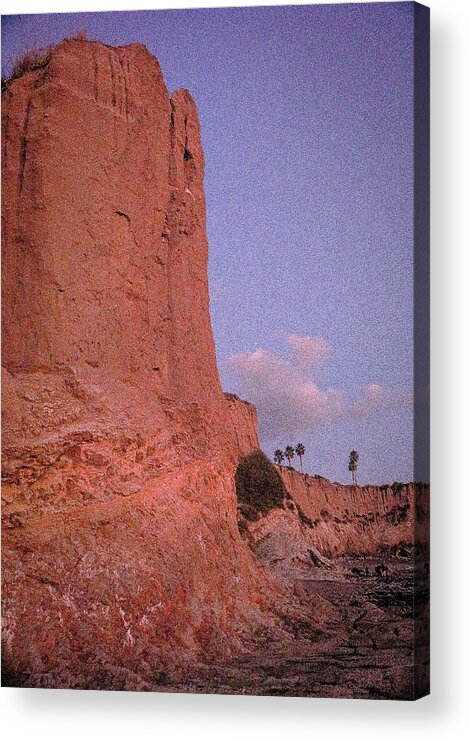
{"type": "Point", "coordinates": [306, 116]}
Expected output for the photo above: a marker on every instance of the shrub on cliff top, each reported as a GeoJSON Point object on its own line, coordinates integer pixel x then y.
{"type": "Point", "coordinates": [30, 60]}
{"type": "Point", "coordinates": [259, 487]}
{"type": "Point", "coordinates": [34, 58]}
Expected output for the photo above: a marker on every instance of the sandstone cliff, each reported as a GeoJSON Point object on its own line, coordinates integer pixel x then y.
{"type": "Point", "coordinates": [359, 519]}
{"type": "Point", "coordinates": [123, 561]}
{"type": "Point", "coordinates": [105, 254]}
{"type": "Point", "coordinates": [309, 521]}
{"type": "Point", "coordinates": [121, 551]}
{"type": "Point", "coordinates": [243, 423]}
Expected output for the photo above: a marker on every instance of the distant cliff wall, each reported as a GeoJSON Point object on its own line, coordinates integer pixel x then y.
{"type": "Point", "coordinates": [359, 519]}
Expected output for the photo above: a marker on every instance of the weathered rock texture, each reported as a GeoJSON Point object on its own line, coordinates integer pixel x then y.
{"type": "Point", "coordinates": [123, 562]}
{"type": "Point", "coordinates": [121, 551]}
{"type": "Point", "coordinates": [104, 226]}
{"type": "Point", "coordinates": [242, 418]}
{"type": "Point", "coordinates": [354, 520]}
{"type": "Point", "coordinates": [319, 520]}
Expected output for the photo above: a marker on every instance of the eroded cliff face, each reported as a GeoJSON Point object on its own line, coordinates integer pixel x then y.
{"type": "Point", "coordinates": [123, 562]}
{"type": "Point", "coordinates": [242, 417]}
{"type": "Point", "coordinates": [355, 520]}
{"type": "Point", "coordinates": [295, 523]}
{"type": "Point", "coordinates": [120, 541]}
{"type": "Point", "coordinates": [319, 521]}
{"type": "Point", "coordinates": [105, 250]}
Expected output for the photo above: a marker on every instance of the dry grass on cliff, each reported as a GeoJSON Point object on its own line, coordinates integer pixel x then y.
{"type": "Point", "coordinates": [31, 60]}
{"type": "Point", "coordinates": [35, 58]}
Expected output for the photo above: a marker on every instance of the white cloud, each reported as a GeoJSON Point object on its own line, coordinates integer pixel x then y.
{"type": "Point", "coordinates": [288, 399]}
{"type": "Point", "coordinates": [309, 352]}
{"type": "Point", "coordinates": [377, 397]}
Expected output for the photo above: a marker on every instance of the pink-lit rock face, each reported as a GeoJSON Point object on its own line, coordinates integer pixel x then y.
{"type": "Point", "coordinates": [105, 250]}
{"type": "Point", "coordinates": [358, 520]}
{"type": "Point", "coordinates": [123, 562]}
{"type": "Point", "coordinates": [243, 423]}
{"type": "Point", "coordinates": [120, 545]}
{"type": "Point", "coordinates": [320, 521]}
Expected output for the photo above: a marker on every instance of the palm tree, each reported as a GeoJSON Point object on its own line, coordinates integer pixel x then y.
{"type": "Point", "coordinates": [279, 456]}
{"type": "Point", "coordinates": [289, 453]}
{"type": "Point", "coordinates": [300, 451]}
{"type": "Point", "coordinates": [353, 465]}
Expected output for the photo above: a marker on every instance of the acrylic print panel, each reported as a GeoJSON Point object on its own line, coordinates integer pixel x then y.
{"type": "Point", "coordinates": [215, 351]}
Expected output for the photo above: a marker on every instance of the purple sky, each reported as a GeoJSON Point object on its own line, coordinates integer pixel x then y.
{"type": "Point", "coordinates": [306, 116]}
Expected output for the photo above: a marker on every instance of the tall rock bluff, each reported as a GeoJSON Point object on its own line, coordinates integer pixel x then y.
{"type": "Point", "coordinates": [121, 552]}
{"type": "Point", "coordinates": [126, 555]}
{"type": "Point", "coordinates": [105, 254]}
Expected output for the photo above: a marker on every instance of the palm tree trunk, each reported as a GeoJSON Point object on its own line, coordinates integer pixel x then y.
{"type": "Point", "coordinates": [301, 463]}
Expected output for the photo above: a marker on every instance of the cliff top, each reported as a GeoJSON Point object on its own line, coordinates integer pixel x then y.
{"type": "Point", "coordinates": [36, 58]}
